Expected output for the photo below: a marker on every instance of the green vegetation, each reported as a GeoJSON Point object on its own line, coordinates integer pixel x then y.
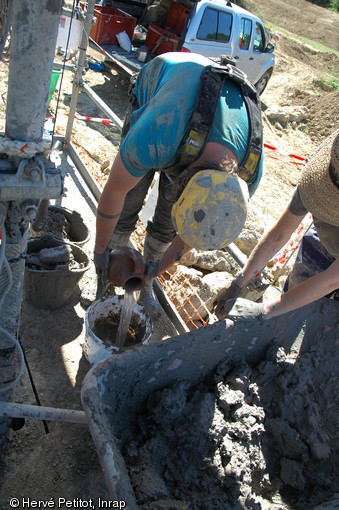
{"type": "Point", "coordinates": [332, 82]}
{"type": "Point", "coordinates": [299, 39]}
{"type": "Point", "coordinates": [328, 4]}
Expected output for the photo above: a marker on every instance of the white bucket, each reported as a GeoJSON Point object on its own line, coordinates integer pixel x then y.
{"type": "Point", "coordinates": [72, 40]}
{"type": "Point", "coordinates": [98, 347]}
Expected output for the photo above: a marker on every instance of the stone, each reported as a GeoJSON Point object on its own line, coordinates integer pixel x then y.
{"type": "Point", "coordinates": [291, 473]}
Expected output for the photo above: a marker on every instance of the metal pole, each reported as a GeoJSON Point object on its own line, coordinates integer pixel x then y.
{"type": "Point", "coordinates": [14, 410]}
{"type": "Point", "coordinates": [34, 34]}
{"type": "Point", "coordinates": [237, 254]}
{"type": "Point", "coordinates": [77, 82]}
{"type": "Point", "coordinates": [102, 105]}
{"type": "Point", "coordinates": [24, 181]}
{"type": "Point", "coordinates": [61, 65]}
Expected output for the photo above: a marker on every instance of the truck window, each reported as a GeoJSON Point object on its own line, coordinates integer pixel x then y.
{"type": "Point", "coordinates": [259, 38]}
{"type": "Point", "coordinates": [245, 34]}
{"type": "Point", "coordinates": [215, 25]}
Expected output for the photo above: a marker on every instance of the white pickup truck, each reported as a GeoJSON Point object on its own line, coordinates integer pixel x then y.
{"type": "Point", "coordinates": [212, 28]}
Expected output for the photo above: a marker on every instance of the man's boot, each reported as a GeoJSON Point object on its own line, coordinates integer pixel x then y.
{"type": "Point", "coordinates": [119, 239]}
{"type": "Point", "coordinates": [153, 250]}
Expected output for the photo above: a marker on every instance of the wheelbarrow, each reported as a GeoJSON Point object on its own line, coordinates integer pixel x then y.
{"type": "Point", "coordinates": [114, 391]}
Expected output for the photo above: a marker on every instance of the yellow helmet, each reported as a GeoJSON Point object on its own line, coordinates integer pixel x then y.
{"type": "Point", "coordinates": [211, 211]}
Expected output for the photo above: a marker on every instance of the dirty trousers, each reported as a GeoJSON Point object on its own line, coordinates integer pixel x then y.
{"type": "Point", "coordinates": [161, 226]}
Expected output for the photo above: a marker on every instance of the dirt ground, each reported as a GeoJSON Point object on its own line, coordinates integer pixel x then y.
{"type": "Point", "coordinates": [46, 461]}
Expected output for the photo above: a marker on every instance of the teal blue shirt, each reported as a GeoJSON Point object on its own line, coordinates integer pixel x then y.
{"type": "Point", "coordinates": [166, 90]}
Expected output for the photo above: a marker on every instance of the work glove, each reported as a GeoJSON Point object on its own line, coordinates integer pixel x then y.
{"type": "Point", "coordinates": [101, 266]}
{"type": "Point", "coordinates": [244, 309]}
{"type": "Point", "coordinates": [151, 270]}
{"type": "Point", "coordinates": [233, 292]}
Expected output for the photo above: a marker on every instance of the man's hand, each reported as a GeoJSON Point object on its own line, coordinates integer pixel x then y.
{"type": "Point", "coordinates": [101, 266]}
{"type": "Point", "coordinates": [244, 309]}
{"type": "Point", "coordinates": [233, 292]}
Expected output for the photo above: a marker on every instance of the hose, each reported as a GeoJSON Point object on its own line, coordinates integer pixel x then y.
{"type": "Point", "coordinates": [10, 337]}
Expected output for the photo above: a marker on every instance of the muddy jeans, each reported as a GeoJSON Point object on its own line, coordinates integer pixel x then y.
{"type": "Point", "coordinates": [161, 226]}
{"type": "Point", "coordinates": [312, 258]}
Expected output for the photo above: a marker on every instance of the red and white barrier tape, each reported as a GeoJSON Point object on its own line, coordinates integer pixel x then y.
{"type": "Point", "coordinates": [293, 159]}
{"type": "Point", "coordinates": [107, 122]}
{"type": "Point", "coordinates": [300, 160]}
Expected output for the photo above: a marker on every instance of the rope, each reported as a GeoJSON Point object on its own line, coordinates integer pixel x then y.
{"type": "Point", "coordinates": [23, 149]}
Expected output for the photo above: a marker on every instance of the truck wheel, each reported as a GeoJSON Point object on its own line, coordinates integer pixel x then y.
{"type": "Point", "coordinates": [262, 83]}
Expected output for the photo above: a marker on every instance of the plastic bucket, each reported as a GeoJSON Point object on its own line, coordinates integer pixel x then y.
{"type": "Point", "coordinates": [103, 315]}
{"type": "Point", "coordinates": [54, 80]}
{"type": "Point", "coordinates": [51, 289]}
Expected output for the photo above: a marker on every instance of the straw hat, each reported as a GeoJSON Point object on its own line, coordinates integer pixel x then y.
{"type": "Point", "coordinates": [319, 183]}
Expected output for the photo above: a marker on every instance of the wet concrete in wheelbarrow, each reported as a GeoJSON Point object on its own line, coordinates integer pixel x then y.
{"type": "Point", "coordinates": [262, 437]}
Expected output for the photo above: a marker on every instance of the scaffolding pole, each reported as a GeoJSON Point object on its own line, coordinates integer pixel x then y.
{"type": "Point", "coordinates": [77, 83]}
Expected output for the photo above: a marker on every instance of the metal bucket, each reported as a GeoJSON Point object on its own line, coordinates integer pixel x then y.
{"type": "Point", "coordinates": [101, 321]}
{"type": "Point", "coordinates": [51, 289]}
{"type": "Point", "coordinates": [114, 391]}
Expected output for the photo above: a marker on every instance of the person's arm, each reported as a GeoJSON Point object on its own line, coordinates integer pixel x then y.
{"type": "Point", "coordinates": [306, 292]}
{"type": "Point", "coordinates": [271, 242]}
{"type": "Point", "coordinates": [111, 202]}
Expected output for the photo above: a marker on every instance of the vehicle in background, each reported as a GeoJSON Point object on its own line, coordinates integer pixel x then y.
{"type": "Point", "coordinates": [213, 28]}
{"type": "Point", "coordinates": [218, 27]}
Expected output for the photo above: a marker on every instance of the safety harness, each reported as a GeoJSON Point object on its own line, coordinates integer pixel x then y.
{"type": "Point", "coordinates": [210, 87]}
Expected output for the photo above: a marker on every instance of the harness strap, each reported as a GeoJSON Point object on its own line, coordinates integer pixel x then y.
{"type": "Point", "coordinates": [248, 166]}
{"type": "Point", "coordinates": [210, 87]}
